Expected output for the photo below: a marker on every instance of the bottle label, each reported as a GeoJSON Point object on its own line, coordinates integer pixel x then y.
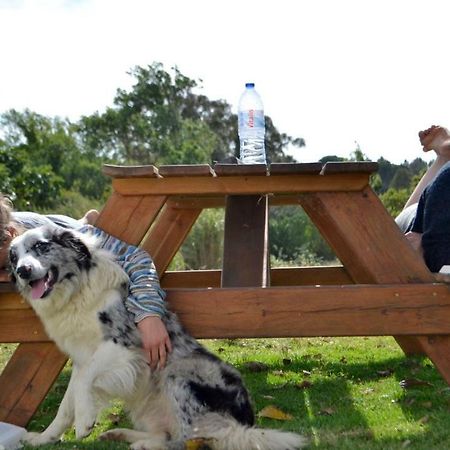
{"type": "Point", "coordinates": [252, 118]}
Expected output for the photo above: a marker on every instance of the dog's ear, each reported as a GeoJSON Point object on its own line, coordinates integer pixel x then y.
{"type": "Point", "coordinates": [69, 240]}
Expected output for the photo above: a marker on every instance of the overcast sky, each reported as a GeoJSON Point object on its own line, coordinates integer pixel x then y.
{"type": "Point", "coordinates": [334, 72]}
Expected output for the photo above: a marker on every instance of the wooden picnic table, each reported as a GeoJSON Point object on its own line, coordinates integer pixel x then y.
{"type": "Point", "coordinates": [382, 287]}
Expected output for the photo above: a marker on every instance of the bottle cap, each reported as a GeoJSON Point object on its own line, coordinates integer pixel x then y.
{"type": "Point", "coordinates": [249, 85]}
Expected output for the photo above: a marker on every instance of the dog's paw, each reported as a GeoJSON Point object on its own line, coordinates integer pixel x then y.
{"type": "Point", "coordinates": [35, 439]}
{"type": "Point", "coordinates": [113, 435]}
{"type": "Point", "coordinates": [83, 428]}
{"type": "Point", "coordinates": [148, 444]}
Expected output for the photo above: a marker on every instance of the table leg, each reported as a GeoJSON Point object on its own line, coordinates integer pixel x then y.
{"type": "Point", "coordinates": [168, 233]}
{"type": "Point", "coordinates": [129, 217]}
{"type": "Point", "coordinates": [245, 253]}
{"type": "Point", "coordinates": [367, 241]}
{"type": "Point", "coordinates": [437, 348]}
{"type": "Point", "coordinates": [27, 378]}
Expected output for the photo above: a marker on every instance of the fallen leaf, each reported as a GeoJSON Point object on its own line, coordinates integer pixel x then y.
{"type": "Point", "coordinates": [410, 401]}
{"type": "Point", "coordinates": [326, 412]}
{"type": "Point", "coordinates": [199, 444]}
{"type": "Point", "coordinates": [408, 383]}
{"type": "Point", "coordinates": [406, 443]}
{"type": "Point", "coordinates": [424, 419]}
{"type": "Point", "coordinates": [368, 391]}
{"type": "Point", "coordinates": [280, 386]}
{"type": "Point", "coordinates": [268, 397]}
{"type": "Point", "coordinates": [305, 384]}
{"type": "Point", "coordinates": [114, 418]}
{"type": "Point", "coordinates": [272, 412]}
{"type": "Point", "coordinates": [385, 373]}
{"type": "Point", "coordinates": [255, 366]}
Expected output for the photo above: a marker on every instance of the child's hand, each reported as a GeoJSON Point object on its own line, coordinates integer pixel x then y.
{"type": "Point", "coordinates": [155, 340]}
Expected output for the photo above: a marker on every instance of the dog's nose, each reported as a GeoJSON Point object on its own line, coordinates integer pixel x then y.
{"type": "Point", "coordinates": [24, 272]}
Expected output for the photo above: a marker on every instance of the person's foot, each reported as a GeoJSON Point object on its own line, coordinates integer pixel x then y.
{"type": "Point", "coordinates": [436, 138]}
{"type": "Point", "coordinates": [90, 217]}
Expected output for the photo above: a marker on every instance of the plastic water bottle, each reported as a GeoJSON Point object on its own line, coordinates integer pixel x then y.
{"type": "Point", "coordinates": [251, 127]}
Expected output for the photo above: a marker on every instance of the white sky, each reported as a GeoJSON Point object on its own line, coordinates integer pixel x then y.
{"type": "Point", "coordinates": [330, 71]}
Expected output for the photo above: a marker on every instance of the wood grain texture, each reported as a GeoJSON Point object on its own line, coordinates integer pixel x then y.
{"type": "Point", "coordinates": [168, 233]}
{"type": "Point", "coordinates": [367, 241]}
{"type": "Point", "coordinates": [353, 310]}
{"type": "Point", "coordinates": [129, 218]}
{"type": "Point", "coordinates": [245, 248]}
{"type": "Point", "coordinates": [241, 185]}
{"type": "Point", "coordinates": [26, 379]}
{"type": "Point", "coordinates": [286, 276]}
{"type": "Point", "coordinates": [115, 171]}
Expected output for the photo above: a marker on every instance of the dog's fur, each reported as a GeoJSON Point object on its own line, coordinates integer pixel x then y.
{"type": "Point", "coordinates": [77, 290]}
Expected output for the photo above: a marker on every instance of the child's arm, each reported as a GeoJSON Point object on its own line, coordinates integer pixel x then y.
{"type": "Point", "coordinates": [146, 298]}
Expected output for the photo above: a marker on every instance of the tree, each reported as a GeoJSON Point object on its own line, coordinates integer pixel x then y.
{"type": "Point", "coordinates": [161, 120]}
{"type": "Point", "coordinates": [41, 160]}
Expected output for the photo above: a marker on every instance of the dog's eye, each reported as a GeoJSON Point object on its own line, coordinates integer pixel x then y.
{"type": "Point", "coordinates": [41, 247]}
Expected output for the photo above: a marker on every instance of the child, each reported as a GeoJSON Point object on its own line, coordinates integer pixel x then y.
{"type": "Point", "coordinates": [146, 298]}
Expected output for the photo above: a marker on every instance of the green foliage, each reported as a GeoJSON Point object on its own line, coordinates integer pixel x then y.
{"type": "Point", "coordinates": [203, 247]}
{"type": "Point", "coordinates": [292, 234]}
{"type": "Point", "coordinates": [394, 200]}
{"type": "Point", "coordinates": [161, 120]}
{"type": "Point", "coordinates": [40, 158]}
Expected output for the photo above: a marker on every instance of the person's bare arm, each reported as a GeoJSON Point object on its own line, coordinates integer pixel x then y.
{"type": "Point", "coordinates": [438, 139]}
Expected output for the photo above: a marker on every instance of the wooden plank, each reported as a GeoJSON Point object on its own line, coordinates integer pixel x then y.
{"type": "Point", "coordinates": [367, 241]}
{"type": "Point", "coordinates": [26, 379]}
{"type": "Point", "coordinates": [21, 325]}
{"type": "Point", "coordinates": [352, 310]}
{"type": "Point", "coordinates": [245, 248]}
{"type": "Point", "coordinates": [365, 237]}
{"type": "Point", "coordinates": [4, 278]}
{"type": "Point", "coordinates": [115, 171]}
{"type": "Point", "coordinates": [286, 276]}
{"type": "Point", "coordinates": [128, 218]}
{"type": "Point", "coordinates": [241, 185]}
{"type": "Point", "coordinates": [349, 167]}
{"type": "Point", "coordinates": [438, 350]}
{"type": "Point", "coordinates": [303, 276]}
{"type": "Point", "coordinates": [294, 168]}
{"type": "Point", "coordinates": [168, 233]}
{"type": "Point", "coordinates": [12, 300]}
{"type": "Point", "coordinates": [191, 279]}
{"type": "Point", "coordinates": [187, 170]}
{"type": "Point", "coordinates": [202, 201]}
{"type": "Point", "coordinates": [225, 170]}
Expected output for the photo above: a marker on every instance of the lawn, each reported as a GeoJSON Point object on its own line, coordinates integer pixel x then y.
{"type": "Point", "coordinates": [343, 393]}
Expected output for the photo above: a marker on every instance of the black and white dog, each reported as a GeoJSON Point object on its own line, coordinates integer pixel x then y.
{"type": "Point", "coordinates": [77, 290]}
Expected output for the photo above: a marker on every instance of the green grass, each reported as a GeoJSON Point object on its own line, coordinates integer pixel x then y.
{"type": "Point", "coordinates": [343, 393]}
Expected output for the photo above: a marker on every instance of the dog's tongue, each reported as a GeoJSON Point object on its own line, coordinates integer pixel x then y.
{"type": "Point", "coordinates": [38, 288]}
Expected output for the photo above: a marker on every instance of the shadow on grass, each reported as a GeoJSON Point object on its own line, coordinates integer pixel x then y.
{"type": "Point", "coordinates": [326, 412]}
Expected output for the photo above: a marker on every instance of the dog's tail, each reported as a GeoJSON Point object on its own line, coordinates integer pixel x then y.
{"type": "Point", "coordinates": [228, 434]}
